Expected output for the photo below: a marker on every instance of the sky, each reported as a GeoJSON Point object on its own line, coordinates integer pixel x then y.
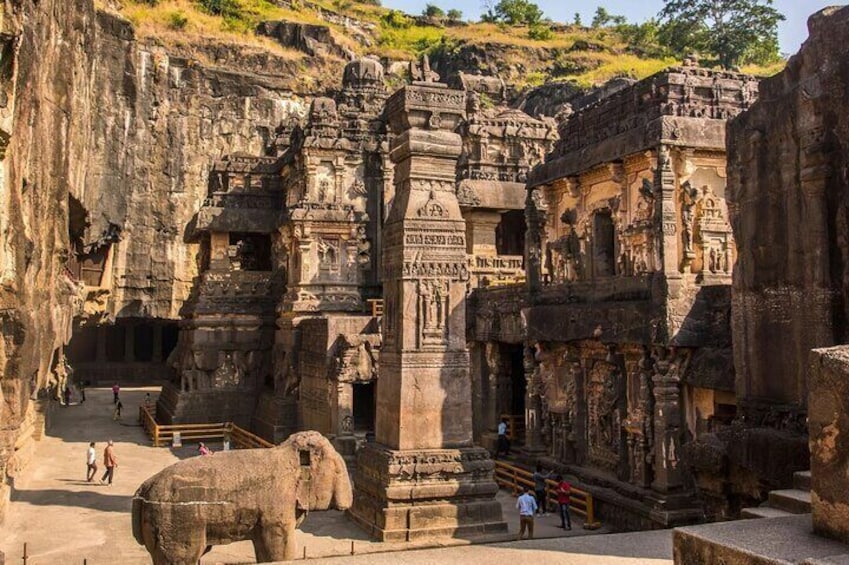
{"type": "Point", "coordinates": [791, 32]}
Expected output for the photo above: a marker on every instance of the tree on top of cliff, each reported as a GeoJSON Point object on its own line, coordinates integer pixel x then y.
{"type": "Point", "coordinates": [733, 31]}
{"type": "Point", "coordinates": [514, 12]}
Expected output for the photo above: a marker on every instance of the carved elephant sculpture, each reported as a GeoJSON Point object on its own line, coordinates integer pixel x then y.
{"type": "Point", "coordinates": [260, 495]}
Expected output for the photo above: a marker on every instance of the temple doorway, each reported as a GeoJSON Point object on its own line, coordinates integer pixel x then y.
{"type": "Point", "coordinates": [363, 407]}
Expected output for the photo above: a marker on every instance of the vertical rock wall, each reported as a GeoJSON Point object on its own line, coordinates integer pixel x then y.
{"type": "Point", "coordinates": [129, 132]}
{"type": "Point", "coordinates": [788, 194]}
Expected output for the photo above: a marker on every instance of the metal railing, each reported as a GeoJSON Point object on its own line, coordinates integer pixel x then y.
{"type": "Point", "coordinates": [163, 434]}
{"type": "Point", "coordinates": [517, 480]}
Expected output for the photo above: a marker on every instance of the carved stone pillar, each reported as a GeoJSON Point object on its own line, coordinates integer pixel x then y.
{"type": "Point", "coordinates": [130, 343]}
{"type": "Point", "coordinates": [667, 210]}
{"type": "Point", "coordinates": [423, 477]}
{"type": "Point", "coordinates": [100, 351]}
{"type": "Point", "coordinates": [494, 369]}
{"type": "Point", "coordinates": [668, 426]}
{"type": "Point", "coordinates": [535, 221]}
{"type": "Point", "coordinates": [533, 400]}
{"type": "Point", "coordinates": [157, 343]}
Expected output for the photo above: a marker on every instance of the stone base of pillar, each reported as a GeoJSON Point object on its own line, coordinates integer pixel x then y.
{"type": "Point", "coordinates": [428, 493]}
{"type": "Point", "coordinates": [672, 510]}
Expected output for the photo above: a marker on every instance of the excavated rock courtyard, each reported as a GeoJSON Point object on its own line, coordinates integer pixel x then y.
{"type": "Point", "coordinates": [63, 519]}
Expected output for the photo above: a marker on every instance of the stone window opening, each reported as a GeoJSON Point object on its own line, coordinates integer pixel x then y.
{"type": "Point", "coordinates": [604, 244]}
{"type": "Point", "coordinates": [250, 251]}
{"type": "Point", "coordinates": [510, 233]}
{"type": "Point", "coordinates": [305, 457]}
{"type": "Point", "coordinates": [363, 407]}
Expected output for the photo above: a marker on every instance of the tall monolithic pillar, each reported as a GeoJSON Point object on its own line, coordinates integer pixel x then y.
{"type": "Point", "coordinates": [423, 477]}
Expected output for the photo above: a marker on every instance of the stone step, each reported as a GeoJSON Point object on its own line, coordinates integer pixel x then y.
{"type": "Point", "coordinates": [792, 500]}
{"type": "Point", "coordinates": [802, 480]}
{"type": "Point", "coordinates": [763, 512]}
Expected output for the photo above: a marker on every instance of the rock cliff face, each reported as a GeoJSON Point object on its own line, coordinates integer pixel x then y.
{"type": "Point", "coordinates": [789, 201]}
{"type": "Point", "coordinates": [110, 139]}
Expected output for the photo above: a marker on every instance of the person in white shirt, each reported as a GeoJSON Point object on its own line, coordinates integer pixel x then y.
{"type": "Point", "coordinates": [503, 443]}
{"type": "Point", "coordinates": [527, 506]}
{"type": "Point", "coordinates": [91, 463]}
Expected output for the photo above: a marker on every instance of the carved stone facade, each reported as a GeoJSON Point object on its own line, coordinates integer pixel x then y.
{"type": "Point", "coordinates": [315, 208]}
{"type": "Point", "coordinates": [625, 314]}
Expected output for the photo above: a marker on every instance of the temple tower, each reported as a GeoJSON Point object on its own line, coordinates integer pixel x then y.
{"type": "Point", "coordinates": [423, 477]}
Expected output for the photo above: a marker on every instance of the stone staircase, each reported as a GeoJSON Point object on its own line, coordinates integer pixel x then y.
{"type": "Point", "coordinates": [785, 502]}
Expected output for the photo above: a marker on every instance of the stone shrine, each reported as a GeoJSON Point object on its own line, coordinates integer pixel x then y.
{"type": "Point", "coordinates": [423, 476]}
{"type": "Point", "coordinates": [617, 352]}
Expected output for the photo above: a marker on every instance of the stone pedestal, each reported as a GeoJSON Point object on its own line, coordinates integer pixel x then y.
{"type": "Point", "coordinates": [405, 495]}
{"type": "Point", "coordinates": [828, 423]}
{"type": "Point", "coordinates": [423, 477]}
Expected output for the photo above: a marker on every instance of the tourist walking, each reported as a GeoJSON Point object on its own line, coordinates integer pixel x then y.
{"type": "Point", "coordinates": [116, 390]}
{"type": "Point", "coordinates": [116, 415]}
{"type": "Point", "coordinates": [81, 388]}
{"type": "Point", "coordinates": [110, 462]}
{"type": "Point", "coordinates": [539, 489]}
{"type": "Point", "coordinates": [148, 402]}
{"type": "Point", "coordinates": [91, 463]}
{"type": "Point", "coordinates": [527, 505]}
{"type": "Point", "coordinates": [67, 394]}
{"type": "Point", "coordinates": [564, 492]}
{"type": "Point", "coordinates": [503, 445]}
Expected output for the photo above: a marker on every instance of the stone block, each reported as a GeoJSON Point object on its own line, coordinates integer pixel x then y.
{"type": "Point", "coordinates": [754, 542]}
{"type": "Point", "coordinates": [828, 422]}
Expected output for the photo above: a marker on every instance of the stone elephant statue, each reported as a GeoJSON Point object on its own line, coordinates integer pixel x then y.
{"type": "Point", "coordinates": [260, 495]}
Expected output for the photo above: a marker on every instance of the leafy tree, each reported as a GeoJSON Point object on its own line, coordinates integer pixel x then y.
{"type": "Point", "coordinates": [433, 12]}
{"type": "Point", "coordinates": [577, 21]}
{"type": "Point", "coordinates": [733, 31]}
{"type": "Point", "coordinates": [603, 18]}
{"type": "Point", "coordinates": [518, 12]}
{"type": "Point", "coordinates": [454, 15]}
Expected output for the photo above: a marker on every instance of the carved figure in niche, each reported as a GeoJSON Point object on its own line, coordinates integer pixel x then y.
{"type": "Point", "coordinates": [228, 373]}
{"type": "Point", "coordinates": [261, 495]}
{"type": "Point", "coordinates": [688, 200]}
{"type": "Point", "coordinates": [603, 416]}
{"type": "Point", "coordinates": [325, 190]}
{"type": "Point", "coordinates": [433, 297]}
{"type": "Point", "coordinates": [327, 254]}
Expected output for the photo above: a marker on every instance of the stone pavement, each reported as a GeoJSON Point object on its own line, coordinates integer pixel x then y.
{"type": "Point", "coordinates": [638, 548]}
{"type": "Point", "coordinates": [63, 519]}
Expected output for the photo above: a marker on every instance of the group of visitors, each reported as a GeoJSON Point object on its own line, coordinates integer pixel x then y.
{"type": "Point", "coordinates": [109, 461]}
{"type": "Point", "coordinates": [534, 502]}
{"type": "Point", "coordinates": [67, 393]}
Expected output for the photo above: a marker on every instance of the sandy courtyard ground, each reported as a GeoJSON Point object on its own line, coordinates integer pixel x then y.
{"type": "Point", "coordinates": [64, 520]}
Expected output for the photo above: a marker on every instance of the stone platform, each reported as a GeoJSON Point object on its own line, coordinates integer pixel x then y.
{"type": "Point", "coordinates": [772, 541]}
{"type": "Point", "coordinates": [431, 493]}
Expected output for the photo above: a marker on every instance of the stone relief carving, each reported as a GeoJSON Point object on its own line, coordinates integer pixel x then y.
{"type": "Point", "coordinates": [433, 311]}
{"type": "Point", "coordinates": [603, 418]}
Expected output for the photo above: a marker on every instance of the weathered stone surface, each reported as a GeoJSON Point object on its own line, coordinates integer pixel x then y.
{"type": "Point", "coordinates": [256, 494]}
{"type": "Point", "coordinates": [828, 422]}
{"type": "Point", "coordinates": [787, 540]}
{"type": "Point", "coordinates": [789, 208]}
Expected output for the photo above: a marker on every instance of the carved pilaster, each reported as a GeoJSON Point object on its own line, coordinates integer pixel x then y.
{"type": "Point", "coordinates": [668, 425]}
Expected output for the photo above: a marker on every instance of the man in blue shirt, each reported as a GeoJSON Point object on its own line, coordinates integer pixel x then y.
{"type": "Point", "coordinates": [527, 506]}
